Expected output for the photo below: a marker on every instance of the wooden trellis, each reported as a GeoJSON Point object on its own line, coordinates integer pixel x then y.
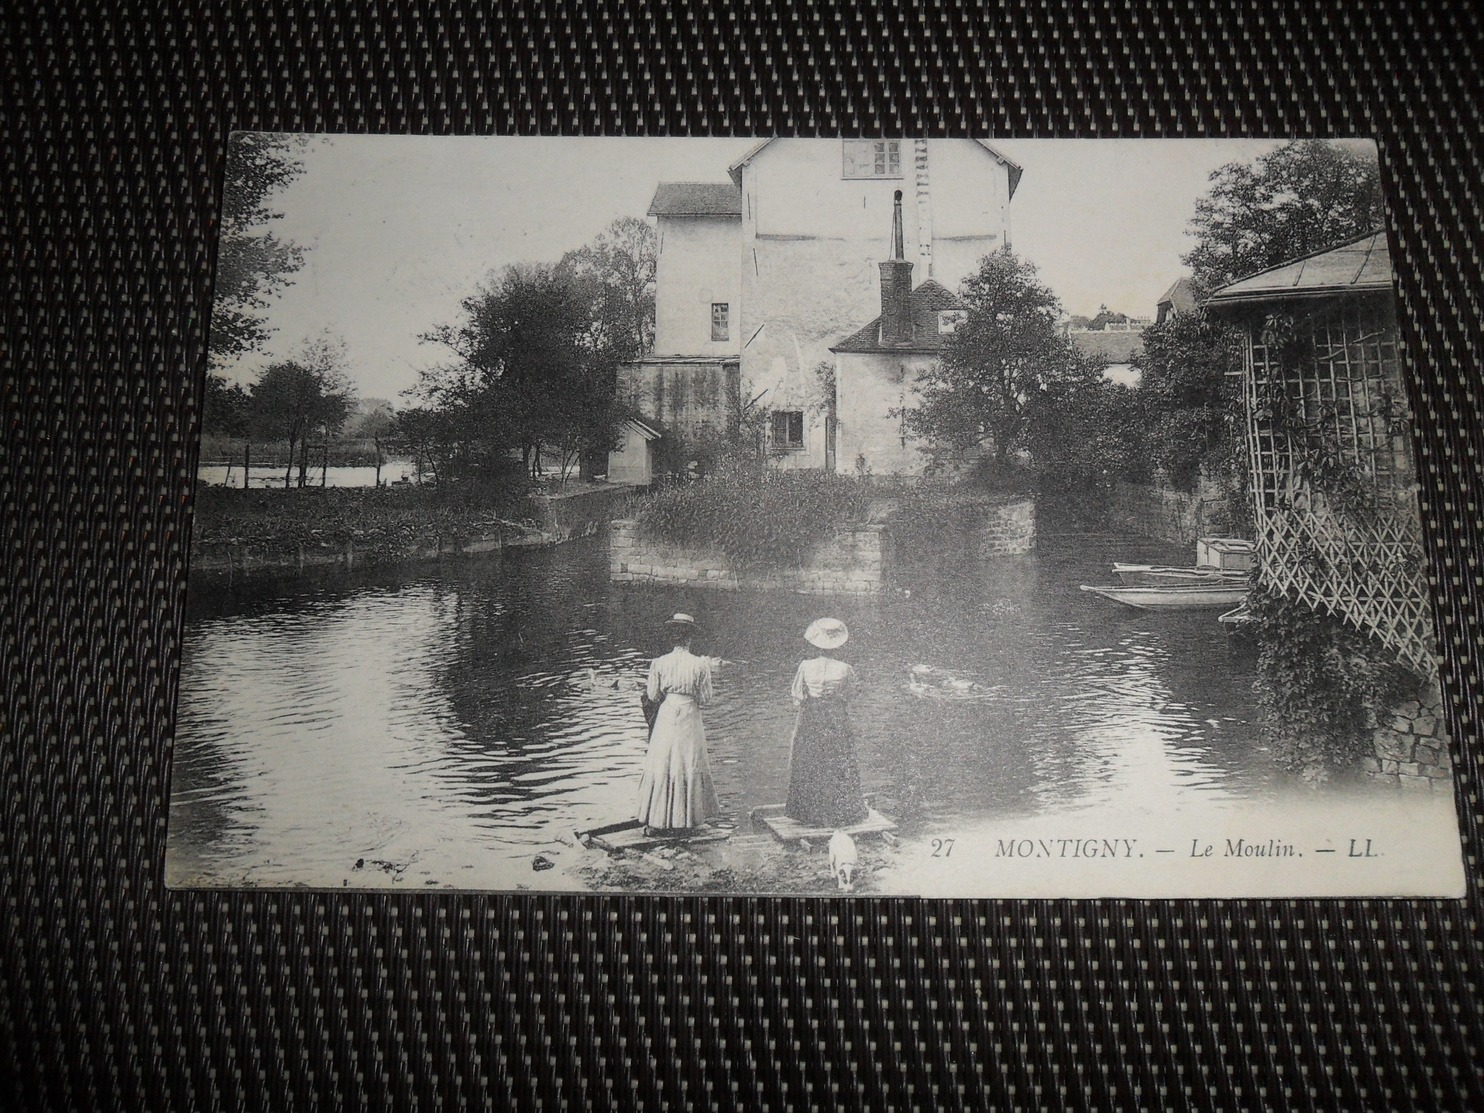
{"type": "Point", "coordinates": [1335, 493]}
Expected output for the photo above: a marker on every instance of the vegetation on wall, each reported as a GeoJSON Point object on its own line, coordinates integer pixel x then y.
{"type": "Point", "coordinates": [1318, 685]}
{"type": "Point", "coordinates": [756, 516]}
{"type": "Point", "coordinates": [1184, 422]}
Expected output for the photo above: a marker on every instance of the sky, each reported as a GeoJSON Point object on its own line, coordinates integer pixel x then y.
{"type": "Point", "coordinates": [397, 230]}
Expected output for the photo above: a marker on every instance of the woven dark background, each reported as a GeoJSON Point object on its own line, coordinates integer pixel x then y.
{"type": "Point", "coordinates": [114, 992]}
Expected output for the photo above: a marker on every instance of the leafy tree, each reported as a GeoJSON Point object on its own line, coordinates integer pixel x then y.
{"type": "Point", "coordinates": [1306, 196]}
{"type": "Point", "coordinates": [613, 279]}
{"type": "Point", "coordinates": [526, 374]}
{"type": "Point", "coordinates": [1081, 434]}
{"type": "Point", "coordinates": [427, 435]}
{"type": "Point", "coordinates": [292, 399]}
{"type": "Point", "coordinates": [251, 261]}
{"type": "Point", "coordinates": [1186, 400]}
{"type": "Point", "coordinates": [1003, 361]}
{"type": "Point", "coordinates": [1303, 197]}
{"type": "Point", "coordinates": [226, 407]}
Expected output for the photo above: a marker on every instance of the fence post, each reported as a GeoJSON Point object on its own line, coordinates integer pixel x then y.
{"type": "Point", "coordinates": [246, 463]}
{"type": "Point", "coordinates": [324, 466]}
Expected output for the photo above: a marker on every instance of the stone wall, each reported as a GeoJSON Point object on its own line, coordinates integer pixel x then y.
{"type": "Point", "coordinates": [230, 561]}
{"type": "Point", "coordinates": [1008, 529]}
{"type": "Point", "coordinates": [1410, 744]}
{"type": "Point", "coordinates": [854, 561]}
{"type": "Point", "coordinates": [560, 517]}
{"type": "Point", "coordinates": [1166, 513]}
{"type": "Point", "coordinates": [572, 515]}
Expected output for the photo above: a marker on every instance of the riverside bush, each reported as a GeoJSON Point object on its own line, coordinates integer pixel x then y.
{"type": "Point", "coordinates": [757, 517]}
{"type": "Point", "coordinates": [1319, 684]}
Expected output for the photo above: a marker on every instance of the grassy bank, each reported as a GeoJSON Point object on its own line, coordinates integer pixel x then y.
{"type": "Point", "coordinates": [376, 522]}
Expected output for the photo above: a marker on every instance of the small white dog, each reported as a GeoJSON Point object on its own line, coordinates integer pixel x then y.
{"type": "Point", "coordinates": [842, 860]}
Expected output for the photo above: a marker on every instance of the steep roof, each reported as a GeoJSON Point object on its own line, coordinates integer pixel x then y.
{"type": "Point", "coordinates": [926, 301]}
{"type": "Point", "coordinates": [696, 199]}
{"type": "Point", "coordinates": [646, 426]}
{"type": "Point", "coordinates": [1180, 297]}
{"type": "Point", "coordinates": [1360, 267]}
{"type": "Point", "coordinates": [1015, 169]}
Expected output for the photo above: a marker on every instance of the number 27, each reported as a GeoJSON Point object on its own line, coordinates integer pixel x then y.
{"type": "Point", "coordinates": [942, 847]}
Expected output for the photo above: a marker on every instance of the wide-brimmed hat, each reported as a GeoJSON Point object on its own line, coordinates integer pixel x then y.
{"type": "Point", "coordinates": [681, 621]}
{"type": "Point", "coordinates": [827, 633]}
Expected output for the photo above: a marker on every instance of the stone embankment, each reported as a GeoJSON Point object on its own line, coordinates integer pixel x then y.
{"type": "Point", "coordinates": [1008, 529]}
{"type": "Point", "coordinates": [351, 532]}
{"type": "Point", "coordinates": [1167, 513]}
{"type": "Point", "coordinates": [1411, 745]}
{"type": "Point", "coordinates": [853, 561]}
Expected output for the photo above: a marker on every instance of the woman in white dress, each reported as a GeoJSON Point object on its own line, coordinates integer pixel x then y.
{"type": "Point", "coordinates": [824, 783]}
{"type": "Point", "coordinates": [676, 791]}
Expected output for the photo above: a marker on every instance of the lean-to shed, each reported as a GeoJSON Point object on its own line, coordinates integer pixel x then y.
{"type": "Point", "coordinates": [1333, 478]}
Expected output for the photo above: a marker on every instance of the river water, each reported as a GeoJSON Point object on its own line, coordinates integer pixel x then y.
{"type": "Point", "coordinates": [334, 477]}
{"type": "Point", "coordinates": [442, 727]}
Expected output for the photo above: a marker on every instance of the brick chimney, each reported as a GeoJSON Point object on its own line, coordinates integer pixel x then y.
{"type": "Point", "coordinates": [896, 286]}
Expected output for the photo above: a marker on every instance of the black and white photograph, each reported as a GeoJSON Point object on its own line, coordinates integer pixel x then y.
{"type": "Point", "coordinates": [892, 517]}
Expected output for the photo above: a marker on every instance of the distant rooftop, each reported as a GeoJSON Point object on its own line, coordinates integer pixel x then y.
{"type": "Point", "coordinates": [1179, 299]}
{"type": "Point", "coordinates": [1117, 347]}
{"type": "Point", "coordinates": [696, 199]}
{"type": "Point", "coordinates": [1363, 266]}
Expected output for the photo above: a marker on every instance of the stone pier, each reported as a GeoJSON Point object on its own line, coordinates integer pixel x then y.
{"type": "Point", "coordinates": [855, 560]}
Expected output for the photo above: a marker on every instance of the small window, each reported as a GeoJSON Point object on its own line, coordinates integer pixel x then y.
{"type": "Point", "coordinates": [721, 321]}
{"type": "Point", "coordinates": [788, 430]}
{"type": "Point", "coordinates": [872, 159]}
{"type": "Point", "coordinates": [950, 320]}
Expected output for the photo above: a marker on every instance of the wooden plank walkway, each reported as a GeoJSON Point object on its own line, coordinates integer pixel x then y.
{"type": "Point", "coordinates": [787, 829]}
{"type": "Point", "coordinates": [621, 836]}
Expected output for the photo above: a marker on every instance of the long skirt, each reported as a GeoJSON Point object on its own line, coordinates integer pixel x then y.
{"type": "Point", "coordinates": [676, 791]}
{"type": "Point", "coordinates": [824, 784]}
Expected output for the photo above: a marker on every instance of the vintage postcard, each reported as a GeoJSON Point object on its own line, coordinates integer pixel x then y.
{"type": "Point", "coordinates": [896, 517]}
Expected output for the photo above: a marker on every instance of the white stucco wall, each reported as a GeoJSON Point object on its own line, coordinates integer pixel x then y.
{"type": "Point", "coordinates": [869, 386]}
{"type": "Point", "coordinates": [633, 461]}
{"type": "Point", "coordinates": [811, 243]}
{"type": "Point", "coordinates": [697, 266]}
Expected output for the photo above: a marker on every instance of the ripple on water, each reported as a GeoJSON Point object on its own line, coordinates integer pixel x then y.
{"type": "Point", "coordinates": [460, 717]}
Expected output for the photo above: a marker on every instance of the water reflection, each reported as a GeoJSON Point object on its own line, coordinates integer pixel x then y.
{"type": "Point", "coordinates": [443, 727]}
{"type": "Point", "coordinates": [336, 476]}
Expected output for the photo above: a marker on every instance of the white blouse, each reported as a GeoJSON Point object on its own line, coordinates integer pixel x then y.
{"type": "Point", "coordinates": [822, 677]}
{"type": "Point", "coordinates": [680, 672]}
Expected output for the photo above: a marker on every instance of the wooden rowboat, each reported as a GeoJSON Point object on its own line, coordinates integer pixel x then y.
{"type": "Point", "coordinates": [1238, 619]}
{"type": "Point", "coordinates": [1147, 574]}
{"type": "Point", "coordinates": [1223, 594]}
{"type": "Point", "coordinates": [1144, 574]}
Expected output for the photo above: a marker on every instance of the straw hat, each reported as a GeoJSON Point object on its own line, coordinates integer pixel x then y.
{"type": "Point", "coordinates": [827, 633]}
{"type": "Point", "coordinates": [681, 622]}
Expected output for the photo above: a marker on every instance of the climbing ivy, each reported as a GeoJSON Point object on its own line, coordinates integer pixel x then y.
{"type": "Point", "coordinates": [1319, 685]}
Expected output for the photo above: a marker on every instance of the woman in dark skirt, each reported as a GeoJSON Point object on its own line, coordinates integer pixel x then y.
{"type": "Point", "coordinates": [824, 784]}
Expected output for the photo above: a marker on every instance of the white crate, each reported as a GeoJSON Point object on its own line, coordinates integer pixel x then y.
{"type": "Point", "coordinates": [1225, 554]}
